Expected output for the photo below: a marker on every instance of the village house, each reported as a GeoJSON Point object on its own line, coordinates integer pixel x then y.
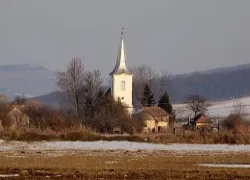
{"type": "Point", "coordinates": [15, 117]}
{"type": "Point", "coordinates": [202, 121]}
{"type": "Point", "coordinates": [155, 118]}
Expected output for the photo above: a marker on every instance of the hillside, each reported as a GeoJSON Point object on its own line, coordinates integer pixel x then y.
{"type": "Point", "coordinates": [26, 79]}
{"type": "Point", "coordinates": [215, 84]}
{"type": "Point", "coordinates": [51, 99]}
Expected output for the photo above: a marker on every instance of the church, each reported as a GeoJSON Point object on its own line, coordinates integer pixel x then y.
{"type": "Point", "coordinates": [121, 79]}
{"type": "Point", "coordinates": [156, 119]}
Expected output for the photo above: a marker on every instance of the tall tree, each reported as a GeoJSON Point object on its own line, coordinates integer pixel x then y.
{"type": "Point", "coordinates": [165, 104]}
{"type": "Point", "coordinates": [79, 87]}
{"type": "Point", "coordinates": [196, 103]}
{"type": "Point", "coordinates": [143, 75]}
{"type": "Point", "coordinates": [147, 99]}
{"type": "Point", "coordinates": [71, 83]}
{"type": "Point", "coordinates": [92, 88]}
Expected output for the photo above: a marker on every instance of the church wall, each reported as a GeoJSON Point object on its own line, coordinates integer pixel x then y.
{"type": "Point", "coordinates": [124, 95]}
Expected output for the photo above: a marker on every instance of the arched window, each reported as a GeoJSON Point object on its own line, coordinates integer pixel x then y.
{"type": "Point", "coordinates": [123, 85]}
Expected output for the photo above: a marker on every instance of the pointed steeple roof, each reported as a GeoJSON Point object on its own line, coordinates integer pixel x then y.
{"type": "Point", "coordinates": [121, 66]}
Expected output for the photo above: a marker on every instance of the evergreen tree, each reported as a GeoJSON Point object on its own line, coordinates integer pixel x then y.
{"type": "Point", "coordinates": [165, 104]}
{"type": "Point", "coordinates": [147, 99]}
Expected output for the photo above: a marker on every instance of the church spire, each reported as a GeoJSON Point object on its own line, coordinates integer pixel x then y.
{"type": "Point", "coordinates": [121, 66]}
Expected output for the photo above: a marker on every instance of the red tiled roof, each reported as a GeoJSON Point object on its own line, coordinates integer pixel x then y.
{"type": "Point", "coordinates": [155, 111]}
{"type": "Point", "coordinates": [203, 119]}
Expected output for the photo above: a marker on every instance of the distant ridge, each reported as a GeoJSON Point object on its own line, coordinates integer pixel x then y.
{"type": "Point", "coordinates": [216, 70]}
{"type": "Point", "coordinates": [26, 79]}
{"type": "Point", "coordinates": [52, 99]}
{"type": "Point", "coordinates": [22, 67]}
{"type": "Point", "coordinates": [215, 84]}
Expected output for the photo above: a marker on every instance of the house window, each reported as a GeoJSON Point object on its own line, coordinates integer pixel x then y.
{"type": "Point", "coordinates": [123, 84]}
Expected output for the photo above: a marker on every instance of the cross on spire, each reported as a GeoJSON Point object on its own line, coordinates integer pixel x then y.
{"type": "Point", "coordinates": [122, 33]}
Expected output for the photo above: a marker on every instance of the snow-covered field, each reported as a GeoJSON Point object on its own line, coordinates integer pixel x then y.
{"type": "Point", "coordinates": [217, 109]}
{"type": "Point", "coordinates": [117, 145]}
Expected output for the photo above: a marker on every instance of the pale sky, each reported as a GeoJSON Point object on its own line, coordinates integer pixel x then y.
{"type": "Point", "coordinates": [176, 36]}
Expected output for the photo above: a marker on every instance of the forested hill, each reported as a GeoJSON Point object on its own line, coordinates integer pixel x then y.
{"type": "Point", "coordinates": [216, 84]}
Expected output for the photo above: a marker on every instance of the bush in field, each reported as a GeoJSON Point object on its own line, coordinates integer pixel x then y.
{"type": "Point", "coordinates": [4, 109]}
{"type": "Point", "coordinates": [108, 114]}
{"type": "Point", "coordinates": [235, 123]}
{"type": "Point", "coordinates": [47, 118]}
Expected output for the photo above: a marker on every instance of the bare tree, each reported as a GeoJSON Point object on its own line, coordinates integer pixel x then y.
{"type": "Point", "coordinates": [165, 85]}
{"type": "Point", "coordinates": [71, 84]}
{"type": "Point", "coordinates": [235, 120]}
{"type": "Point", "coordinates": [143, 75]}
{"type": "Point", "coordinates": [19, 100]}
{"type": "Point", "coordinates": [3, 98]}
{"type": "Point", "coordinates": [238, 108]}
{"type": "Point", "coordinates": [196, 103]}
{"type": "Point", "coordinates": [92, 87]}
{"type": "Point", "coordinates": [79, 88]}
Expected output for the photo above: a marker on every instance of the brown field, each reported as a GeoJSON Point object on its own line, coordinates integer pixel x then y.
{"type": "Point", "coordinates": [120, 164]}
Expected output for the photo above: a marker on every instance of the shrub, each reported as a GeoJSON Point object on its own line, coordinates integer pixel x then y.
{"type": "Point", "coordinates": [109, 114]}
{"type": "Point", "coordinates": [235, 123]}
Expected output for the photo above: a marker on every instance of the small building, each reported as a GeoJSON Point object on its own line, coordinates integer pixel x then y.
{"type": "Point", "coordinates": [16, 118]}
{"type": "Point", "coordinates": [155, 118]}
{"type": "Point", "coordinates": [117, 130]}
{"type": "Point", "coordinates": [202, 121]}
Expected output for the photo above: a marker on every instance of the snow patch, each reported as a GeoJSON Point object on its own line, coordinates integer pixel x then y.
{"type": "Point", "coordinates": [9, 175]}
{"type": "Point", "coordinates": [118, 145]}
{"type": "Point", "coordinates": [226, 165]}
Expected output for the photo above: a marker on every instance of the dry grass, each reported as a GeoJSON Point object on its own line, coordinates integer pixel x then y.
{"type": "Point", "coordinates": [34, 134]}
{"type": "Point", "coordinates": [224, 137]}
{"type": "Point", "coordinates": [121, 165]}
{"type": "Point", "coordinates": [82, 134]}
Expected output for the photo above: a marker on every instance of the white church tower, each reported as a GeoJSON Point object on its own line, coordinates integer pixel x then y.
{"type": "Point", "coordinates": [121, 87]}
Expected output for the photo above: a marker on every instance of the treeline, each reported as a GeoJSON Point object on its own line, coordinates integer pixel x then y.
{"type": "Point", "coordinates": [83, 97]}
{"type": "Point", "coordinates": [84, 103]}
{"type": "Point", "coordinates": [222, 85]}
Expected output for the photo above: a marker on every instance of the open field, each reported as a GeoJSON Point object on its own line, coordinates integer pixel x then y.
{"type": "Point", "coordinates": [37, 162]}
